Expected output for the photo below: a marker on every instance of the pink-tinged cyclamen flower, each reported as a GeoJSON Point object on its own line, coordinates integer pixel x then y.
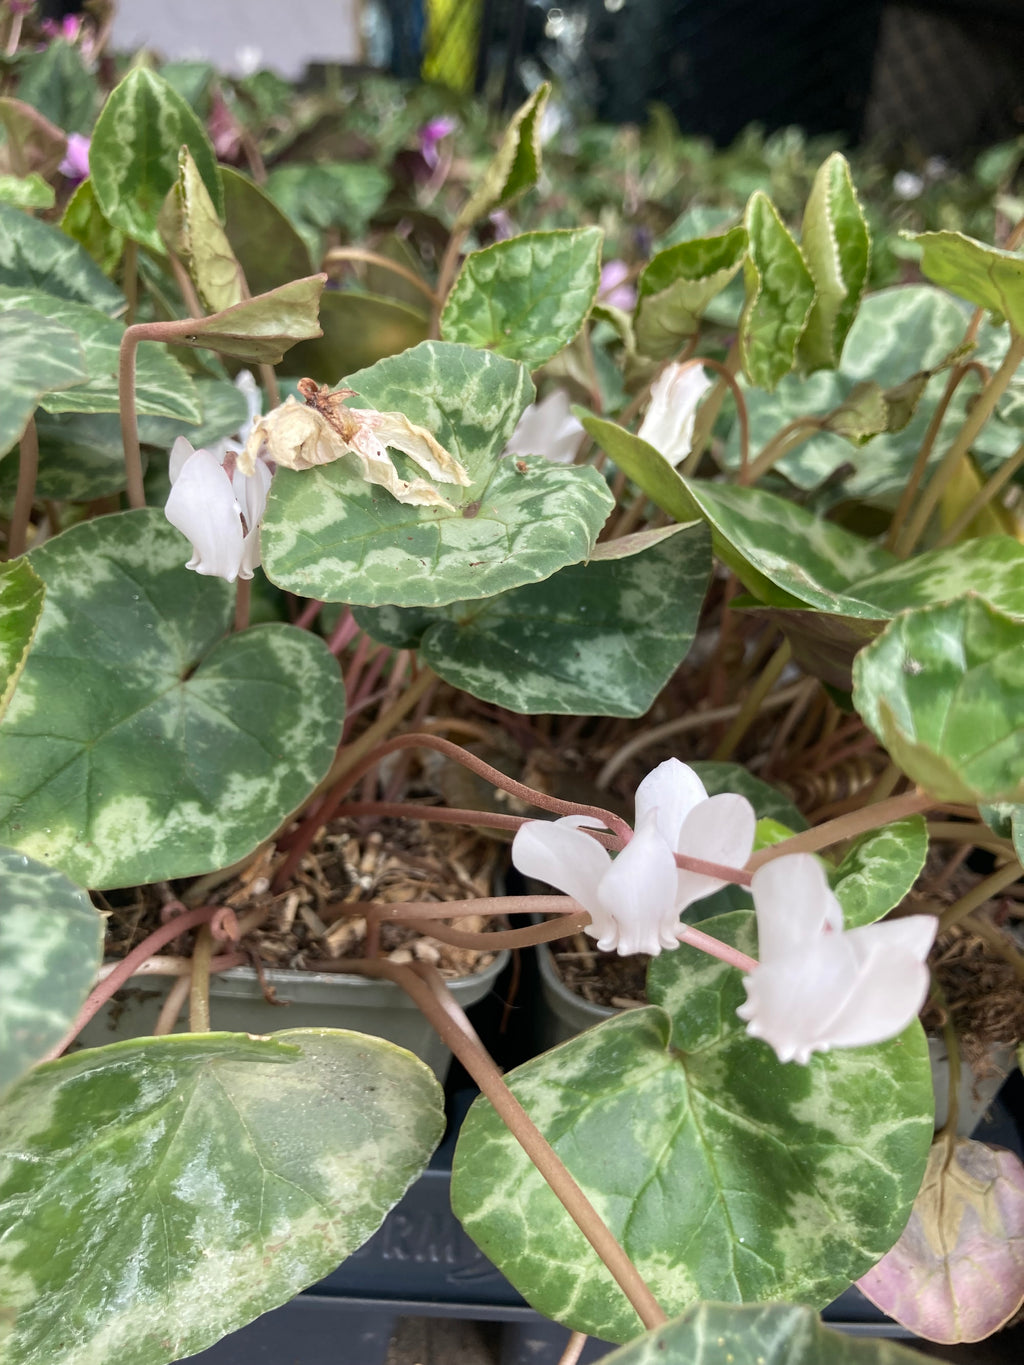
{"type": "Point", "coordinates": [613, 288]}
{"type": "Point", "coordinates": [817, 986]}
{"type": "Point", "coordinates": [431, 135]}
{"type": "Point", "coordinates": [548, 428]}
{"type": "Point", "coordinates": [635, 900]}
{"type": "Point", "coordinates": [76, 159]}
{"type": "Point", "coordinates": [675, 395]}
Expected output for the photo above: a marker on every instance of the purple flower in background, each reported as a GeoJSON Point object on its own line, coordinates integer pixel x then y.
{"type": "Point", "coordinates": [76, 159]}
{"type": "Point", "coordinates": [504, 227]}
{"type": "Point", "coordinates": [67, 28]}
{"type": "Point", "coordinates": [431, 135]}
{"type": "Point", "coordinates": [613, 288]}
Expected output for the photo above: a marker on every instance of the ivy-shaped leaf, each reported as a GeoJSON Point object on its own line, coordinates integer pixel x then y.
{"type": "Point", "coordinates": [21, 602]}
{"type": "Point", "coordinates": [780, 295]}
{"type": "Point", "coordinates": [836, 245]}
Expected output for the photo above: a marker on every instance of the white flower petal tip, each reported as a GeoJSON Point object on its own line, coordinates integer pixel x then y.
{"type": "Point", "coordinates": [218, 512]}
{"type": "Point", "coordinates": [675, 396]}
{"type": "Point", "coordinates": [548, 428]}
{"type": "Point", "coordinates": [817, 987]}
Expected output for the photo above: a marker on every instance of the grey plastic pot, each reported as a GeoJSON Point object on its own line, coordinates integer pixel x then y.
{"type": "Point", "coordinates": [316, 1000]}
{"type": "Point", "coordinates": [567, 1014]}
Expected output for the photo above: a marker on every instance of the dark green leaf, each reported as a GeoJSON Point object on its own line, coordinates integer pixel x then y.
{"type": "Point", "coordinates": [268, 248]}
{"type": "Point", "coordinates": [84, 221]}
{"type": "Point", "coordinates": [331, 195]}
{"type": "Point", "coordinates": [358, 330]}
{"type": "Point", "coordinates": [21, 602]}
{"type": "Point", "coordinates": [57, 82]}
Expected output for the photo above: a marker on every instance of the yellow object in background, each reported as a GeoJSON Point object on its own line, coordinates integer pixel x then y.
{"type": "Point", "coordinates": [453, 40]}
{"type": "Point", "coordinates": [992, 519]}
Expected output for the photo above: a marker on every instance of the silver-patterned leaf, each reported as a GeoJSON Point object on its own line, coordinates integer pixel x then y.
{"type": "Point", "coordinates": [879, 869]}
{"type": "Point", "coordinates": [36, 255]}
{"type": "Point", "coordinates": [37, 355]}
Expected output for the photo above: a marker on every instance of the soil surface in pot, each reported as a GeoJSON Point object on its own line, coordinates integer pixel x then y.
{"type": "Point", "coordinates": [317, 918]}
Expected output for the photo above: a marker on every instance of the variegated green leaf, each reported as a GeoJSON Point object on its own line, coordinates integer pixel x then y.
{"type": "Point", "coordinates": [836, 245]}
{"type": "Point", "coordinates": [34, 255]}
{"type": "Point", "coordinates": [162, 387]}
{"type": "Point", "coordinates": [768, 802]}
{"type": "Point", "coordinates": [328, 195]}
{"type": "Point", "coordinates": [159, 1193]}
{"type": "Point", "coordinates": [358, 330]}
{"type": "Point", "coordinates": [26, 192]}
{"type": "Point", "coordinates": [328, 534]}
{"type": "Point", "coordinates": [1007, 820]}
{"type": "Point", "coordinates": [526, 297]}
{"type": "Point", "coordinates": [515, 167]}
{"type": "Point", "coordinates": [600, 638]}
{"type": "Point", "coordinates": [266, 244]}
{"type": "Point", "coordinates": [84, 222]}
{"type": "Point", "coordinates": [181, 763]}
{"type": "Point", "coordinates": [778, 1334]}
{"type": "Point", "coordinates": [51, 944]}
{"type": "Point", "coordinates": [986, 276]}
{"type": "Point", "coordinates": [991, 566]}
{"type": "Point", "coordinates": [133, 155]}
{"type": "Point", "coordinates": [21, 601]}
{"type": "Point", "coordinates": [780, 294]}
{"type": "Point", "coordinates": [726, 1174]}
{"type": "Point", "coordinates": [879, 869]}
{"type": "Point", "coordinates": [37, 355]}
{"type": "Point", "coordinates": [58, 80]}
{"type": "Point", "coordinates": [678, 284]}
{"type": "Point", "coordinates": [191, 227]}
{"type": "Point", "coordinates": [941, 689]}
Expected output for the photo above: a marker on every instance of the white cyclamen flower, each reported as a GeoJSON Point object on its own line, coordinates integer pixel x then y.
{"type": "Point", "coordinates": [635, 900]}
{"type": "Point", "coordinates": [668, 425]}
{"type": "Point", "coordinates": [817, 987]}
{"type": "Point", "coordinates": [219, 512]}
{"type": "Point", "coordinates": [548, 428]}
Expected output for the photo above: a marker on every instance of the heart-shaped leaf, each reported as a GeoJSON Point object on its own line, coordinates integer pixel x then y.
{"type": "Point", "coordinates": [34, 255]}
{"type": "Point", "coordinates": [160, 1193]}
{"type": "Point", "coordinates": [836, 245]}
{"type": "Point", "coordinates": [21, 602]}
{"type": "Point", "coordinates": [268, 248]}
{"type": "Point", "coordinates": [726, 1174]}
{"type": "Point", "coordinates": [37, 355]}
{"type": "Point", "coordinates": [678, 284]}
{"type": "Point", "coordinates": [957, 1272]}
{"type": "Point", "coordinates": [941, 689]}
{"type": "Point", "coordinates": [780, 295]}
{"type": "Point", "coordinates": [162, 387]}
{"type": "Point", "coordinates": [526, 297]}
{"type": "Point", "coordinates": [516, 166]}
{"type": "Point", "coordinates": [768, 802]}
{"type": "Point", "coordinates": [133, 155]}
{"type": "Point", "coordinates": [358, 330]}
{"type": "Point", "coordinates": [779, 1334]}
{"type": "Point", "coordinates": [879, 869]}
{"type": "Point", "coordinates": [328, 534]}
{"type": "Point", "coordinates": [259, 330]}
{"type": "Point", "coordinates": [51, 943]}
{"type": "Point", "coordinates": [985, 275]}
{"type": "Point", "coordinates": [191, 227]}
{"type": "Point", "coordinates": [600, 638]}
{"type": "Point", "coordinates": [181, 763]}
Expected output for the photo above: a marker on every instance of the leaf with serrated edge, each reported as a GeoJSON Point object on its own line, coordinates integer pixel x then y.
{"type": "Point", "coordinates": [780, 295]}
{"type": "Point", "coordinates": [163, 388]}
{"type": "Point", "coordinates": [179, 1187]}
{"type": "Point", "coordinates": [678, 284]}
{"type": "Point", "coordinates": [21, 602]}
{"type": "Point", "coordinates": [190, 226]}
{"type": "Point", "coordinates": [778, 1334]}
{"type": "Point", "coordinates": [725, 1173]}
{"type": "Point", "coordinates": [180, 764]}
{"type": "Point", "coordinates": [34, 255]}
{"type": "Point", "coordinates": [37, 354]}
{"type": "Point", "coordinates": [941, 689]}
{"type": "Point", "coordinates": [879, 869]}
{"type": "Point", "coordinates": [328, 534]}
{"type": "Point", "coordinates": [133, 155]}
{"type": "Point", "coordinates": [836, 245]}
{"type": "Point", "coordinates": [51, 944]}
{"type": "Point", "coordinates": [600, 638]}
{"type": "Point", "coordinates": [515, 166]}
{"type": "Point", "coordinates": [984, 275]}
{"type": "Point", "coordinates": [526, 297]}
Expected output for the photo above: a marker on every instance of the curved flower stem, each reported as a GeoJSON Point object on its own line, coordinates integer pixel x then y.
{"type": "Point", "coordinates": [161, 965]}
{"type": "Point", "coordinates": [339, 254]}
{"type": "Point", "coordinates": [786, 439]}
{"type": "Point", "coordinates": [445, 278]}
{"type": "Point", "coordinates": [243, 602]}
{"type": "Point", "coordinates": [846, 827]}
{"type": "Point", "coordinates": [28, 469]}
{"type": "Point", "coordinates": [199, 988]}
{"type": "Point", "coordinates": [573, 1349]}
{"type": "Point", "coordinates": [103, 990]}
{"type": "Point", "coordinates": [435, 815]}
{"type": "Point", "coordinates": [696, 938]}
{"type": "Point", "coordinates": [571, 922]}
{"type": "Point", "coordinates": [426, 988]}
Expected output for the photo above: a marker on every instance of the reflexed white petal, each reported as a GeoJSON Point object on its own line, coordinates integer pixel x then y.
{"type": "Point", "coordinates": [548, 428]}
{"type": "Point", "coordinates": [721, 830]}
{"type": "Point", "coordinates": [674, 789]}
{"type": "Point", "coordinates": [794, 902]}
{"type": "Point", "coordinates": [786, 1001]}
{"type": "Point", "coordinates": [668, 425]}
{"type": "Point", "coordinates": [250, 391]}
{"type": "Point", "coordinates": [639, 894]}
{"type": "Point", "coordinates": [180, 452]}
{"type": "Point", "coordinates": [556, 852]}
{"type": "Point", "coordinates": [888, 992]}
{"type": "Point", "coordinates": [202, 506]}
{"type": "Point", "coordinates": [255, 492]}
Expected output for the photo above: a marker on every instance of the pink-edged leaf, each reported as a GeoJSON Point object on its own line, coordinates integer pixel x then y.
{"type": "Point", "coordinates": [957, 1273]}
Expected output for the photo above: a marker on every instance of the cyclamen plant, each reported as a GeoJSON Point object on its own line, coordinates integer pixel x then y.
{"type": "Point", "coordinates": [751, 1139]}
